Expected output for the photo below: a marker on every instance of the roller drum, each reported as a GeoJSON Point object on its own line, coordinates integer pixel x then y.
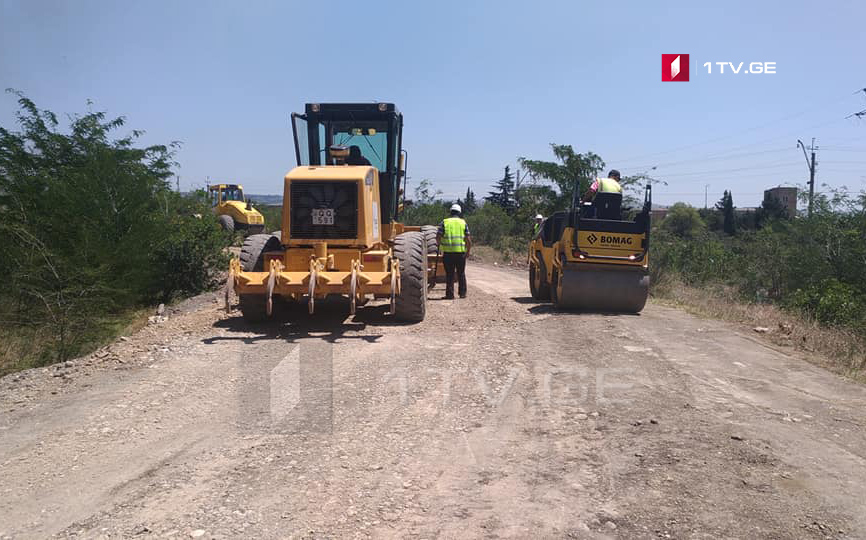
{"type": "Point", "coordinates": [608, 288]}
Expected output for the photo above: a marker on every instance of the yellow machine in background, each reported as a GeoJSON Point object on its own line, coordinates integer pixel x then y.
{"type": "Point", "coordinates": [234, 212]}
{"type": "Point", "coordinates": [581, 260]}
{"type": "Point", "coordinates": [339, 232]}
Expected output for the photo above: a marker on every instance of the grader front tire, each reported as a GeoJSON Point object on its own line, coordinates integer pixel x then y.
{"type": "Point", "coordinates": [253, 306]}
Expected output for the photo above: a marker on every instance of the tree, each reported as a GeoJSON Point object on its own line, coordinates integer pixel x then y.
{"type": "Point", "coordinates": [534, 199]}
{"type": "Point", "coordinates": [92, 229]}
{"type": "Point", "coordinates": [683, 221]}
{"type": "Point", "coordinates": [469, 205]}
{"type": "Point", "coordinates": [425, 193]}
{"type": "Point", "coordinates": [570, 166]}
{"type": "Point", "coordinates": [726, 207]}
{"type": "Point", "coordinates": [770, 209]}
{"type": "Point", "coordinates": [503, 194]}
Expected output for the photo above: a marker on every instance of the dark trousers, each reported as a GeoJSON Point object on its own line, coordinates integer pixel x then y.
{"type": "Point", "coordinates": [454, 262]}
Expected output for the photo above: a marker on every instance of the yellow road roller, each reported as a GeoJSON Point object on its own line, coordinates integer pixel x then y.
{"type": "Point", "coordinates": [339, 234]}
{"type": "Point", "coordinates": [589, 258]}
{"type": "Point", "coordinates": [233, 210]}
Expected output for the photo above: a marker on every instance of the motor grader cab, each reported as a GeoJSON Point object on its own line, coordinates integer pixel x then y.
{"type": "Point", "coordinates": [234, 212]}
{"type": "Point", "coordinates": [339, 233]}
{"type": "Point", "coordinates": [589, 258]}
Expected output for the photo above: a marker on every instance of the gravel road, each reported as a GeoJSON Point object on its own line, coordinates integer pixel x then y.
{"type": "Point", "coordinates": [495, 417]}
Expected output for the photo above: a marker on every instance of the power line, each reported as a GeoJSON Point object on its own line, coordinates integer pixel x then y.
{"type": "Point", "coordinates": [747, 130]}
{"type": "Point", "coordinates": [775, 165]}
{"type": "Point", "coordinates": [710, 158]}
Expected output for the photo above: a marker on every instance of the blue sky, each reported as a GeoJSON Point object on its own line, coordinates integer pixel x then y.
{"type": "Point", "coordinates": [480, 83]}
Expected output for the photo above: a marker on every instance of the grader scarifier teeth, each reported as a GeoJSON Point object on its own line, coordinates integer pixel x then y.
{"type": "Point", "coordinates": [604, 289]}
{"type": "Point", "coordinates": [275, 268]}
{"type": "Point", "coordinates": [353, 288]}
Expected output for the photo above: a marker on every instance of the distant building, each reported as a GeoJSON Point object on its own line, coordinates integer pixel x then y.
{"type": "Point", "coordinates": [786, 197]}
{"type": "Point", "coordinates": [658, 212]}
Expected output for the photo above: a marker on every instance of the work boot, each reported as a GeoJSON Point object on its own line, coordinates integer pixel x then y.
{"type": "Point", "coordinates": [463, 295]}
{"type": "Point", "coordinates": [449, 296]}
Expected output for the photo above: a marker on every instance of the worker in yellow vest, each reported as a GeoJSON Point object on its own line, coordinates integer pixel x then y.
{"type": "Point", "coordinates": [539, 221]}
{"type": "Point", "coordinates": [454, 239]}
{"type": "Point", "coordinates": [604, 185]}
{"type": "Point", "coordinates": [609, 185]}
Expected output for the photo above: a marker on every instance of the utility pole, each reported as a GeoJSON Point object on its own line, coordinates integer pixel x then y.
{"type": "Point", "coordinates": [706, 192]}
{"type": "Point", "coordinates": [811, 165]}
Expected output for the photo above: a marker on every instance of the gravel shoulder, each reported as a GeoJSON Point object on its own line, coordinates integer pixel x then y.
{"type": "Point", "coordinates": [495, 417]}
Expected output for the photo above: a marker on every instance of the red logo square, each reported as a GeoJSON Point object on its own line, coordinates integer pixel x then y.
{"type": "Point", "coordinates": [675, 67]}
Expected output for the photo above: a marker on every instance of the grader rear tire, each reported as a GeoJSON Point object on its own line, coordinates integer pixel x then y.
{"type": "Point", "coordinates": [227, 223]}
{"type": "Point", "coordinates": [253, 260]}
{"type": "Point", "coordinates": [411, 304]}
{"type": "Point", "coordinates": [430, 232]}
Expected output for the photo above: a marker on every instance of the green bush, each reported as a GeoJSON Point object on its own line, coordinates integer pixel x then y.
{"type": "Point", "coordinates": [431, 213]}
{"type": "Point", "coordinates": [831, 302]}
{"type": "Point", "coordinates": [489, 224]}
{"type": "Point", "coordinates": [189, 258]}
{"type": "Point", "coordinates": [92, 230]}
{"type": "Point", "coordinates": [814, 265]}
{"type": "Point", "coordinates": [683, 221]}
{"type": "Point", "coordinates": [273, 215]}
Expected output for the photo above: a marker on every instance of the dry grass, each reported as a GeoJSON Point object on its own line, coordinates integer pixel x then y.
{"type": "Point", "coordinates": [20, 349]}
{"type": "Point", "coordinates": [30, 347]}
{"type": "Point", "coordinates": [491, 255]}
{"type": "Point", "coordinates": [838, 350]}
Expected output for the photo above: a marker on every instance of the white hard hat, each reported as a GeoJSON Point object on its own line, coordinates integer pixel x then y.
{"type": "Point", "coordinates": [456, 208]}
{"type": "Point", "coordinates": [539, 216]}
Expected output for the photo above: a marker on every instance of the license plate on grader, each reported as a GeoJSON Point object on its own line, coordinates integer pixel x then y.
{"type": "Point", "coordinates": [323, 216]}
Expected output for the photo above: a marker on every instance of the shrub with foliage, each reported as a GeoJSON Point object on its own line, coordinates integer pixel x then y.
{"type": "Point", "coordinates": [812, 265]}
{"type": "Point", "coordinates": [684, 221]}
{"type": "Point", "coordinates": [92, 229]}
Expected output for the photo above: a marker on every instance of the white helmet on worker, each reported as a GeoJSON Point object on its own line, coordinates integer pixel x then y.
{"type": "Point", "coordinates": [539, 216]}
{"type": "Point", "coordinates": [456, 208]}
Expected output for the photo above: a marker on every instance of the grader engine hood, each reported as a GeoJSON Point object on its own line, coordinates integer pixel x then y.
{"type": "Point", "coordinates": [337, 204]}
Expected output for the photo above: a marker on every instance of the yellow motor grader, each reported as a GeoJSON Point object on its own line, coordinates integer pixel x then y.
{"type": "Point", "coordinates": [590, 258]}
{"type": "Point", "coordinates": [339, 234]}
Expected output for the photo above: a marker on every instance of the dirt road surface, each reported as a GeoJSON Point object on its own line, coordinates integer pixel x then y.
{"type": "Point", "coordinates": [495, 417]}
